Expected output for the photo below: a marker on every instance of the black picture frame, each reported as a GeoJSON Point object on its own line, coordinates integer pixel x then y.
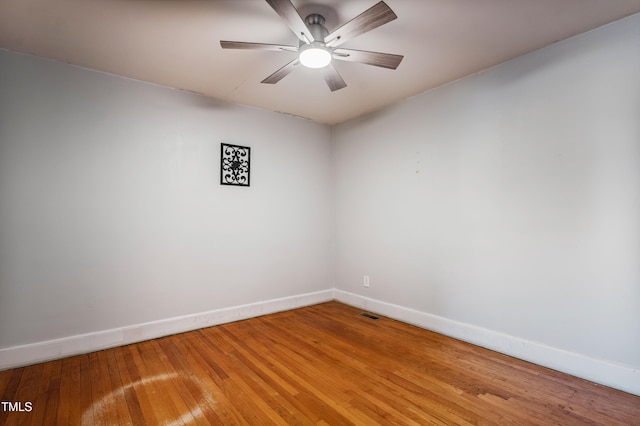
{"type": "Point", "coordinates": [235, 165]}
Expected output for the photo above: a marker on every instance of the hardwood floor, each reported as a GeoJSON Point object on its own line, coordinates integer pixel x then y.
{"type": "Point", "coordinates": [323, 365]}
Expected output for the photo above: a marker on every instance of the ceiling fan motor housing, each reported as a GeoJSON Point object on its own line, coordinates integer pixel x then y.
{"type": "Point", "coordinates": [315, 54]}
{"type": "Point", "coordinates": [315, 24]}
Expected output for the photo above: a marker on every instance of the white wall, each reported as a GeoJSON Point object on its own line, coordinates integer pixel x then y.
{"type": "Point", "coordinates": [508, 201]}
{"type": "Point", "coordinates": [112, 214]}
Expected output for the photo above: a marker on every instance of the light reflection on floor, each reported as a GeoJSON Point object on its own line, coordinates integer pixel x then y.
{"type": "Point", "coordinates": [98, 410]}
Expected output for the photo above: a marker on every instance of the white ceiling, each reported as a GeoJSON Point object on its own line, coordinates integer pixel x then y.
{"type": "Point", "coordinates": [175, 43]}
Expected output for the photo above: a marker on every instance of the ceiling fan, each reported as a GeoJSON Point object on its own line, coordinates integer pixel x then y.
{"type": "Point", "coordinates": [318, 47]}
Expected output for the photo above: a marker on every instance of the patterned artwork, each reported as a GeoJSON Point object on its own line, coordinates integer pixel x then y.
{"type": "Point", "coordinates": [234, 164]}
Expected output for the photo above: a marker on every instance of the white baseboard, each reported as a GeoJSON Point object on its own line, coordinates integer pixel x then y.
{"type": "Point", "coordinates": [617, 376]}
{"type": "Point", "coordinates": [18, 356]}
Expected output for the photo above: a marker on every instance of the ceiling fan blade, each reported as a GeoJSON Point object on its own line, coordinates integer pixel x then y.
{"type": "Point", "coordinates": [288, 12]}
{"type": "Point", "coordinates": [256, 46]}
{"type": "Point", "coordinates": [333, 78]}
{"type": "Point", "coordinates": [385, 60]}
{"type": "Point", "coordinates": [371, 18]}
{"type": "Point", "coordinates": [281, 73]}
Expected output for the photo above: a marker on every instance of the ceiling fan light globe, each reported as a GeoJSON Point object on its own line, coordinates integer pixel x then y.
{"type": "Point", "coordinates": [315, 57]}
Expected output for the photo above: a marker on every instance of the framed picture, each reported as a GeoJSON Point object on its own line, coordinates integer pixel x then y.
{"type": "Point", "coordinates": [235, 163]}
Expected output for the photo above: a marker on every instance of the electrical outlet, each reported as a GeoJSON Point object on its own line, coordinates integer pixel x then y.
{"type": "Point", "coordinates": [365, 280]}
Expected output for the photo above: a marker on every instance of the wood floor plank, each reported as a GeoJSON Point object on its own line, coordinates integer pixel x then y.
{"type": "Point", "coordinates": [5, 380]}
{"type": "Point", "coordinates": [191, 386]}
{"type": "Point", "coordinates": [101, 393]}
{"type": "Point", "coordinates": [136, 394]}
{"type": "Point", "coordinates": [364, 375]}
{"type": "Point", "coordinates": [85, 397]}
{"type": "Point", "coordinates": [242, 340]}
{"type": "Point", "coordinates": [71, 405]}
{"type": "Point", "coordinates": [237, 378]}
{"type": "Point", "coordinates": [190, 410]}
{"type": "Point", "coordinates": [64, 394]}
{"type": "Point", "coordinates": [165, 379]}
{"type": "Point", "coordinates": [319, 365]}
{"type": "Point", "coordinates": [154, 382]}
{"type": "Point", "coordinates": [113, 399]}
{"type": "Point", "coordinates": [365, 367]}
{"type": "Point", "coordinates": [11, 380]}
{"type": "Point", "coordinates": [297, 368]}
{"type": "Point", "coordinates": [211, 379]}
{"type": "Point", "coordinates": [271, 392]}
{"type": "Point", "coordinates": [51, 394]}
{"type": "Point", "coordinates": [117, 361]}
{"type": "Point", "coordinates": [27, 391]}
{"type": "Point", "coordinates": [290, 369]}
